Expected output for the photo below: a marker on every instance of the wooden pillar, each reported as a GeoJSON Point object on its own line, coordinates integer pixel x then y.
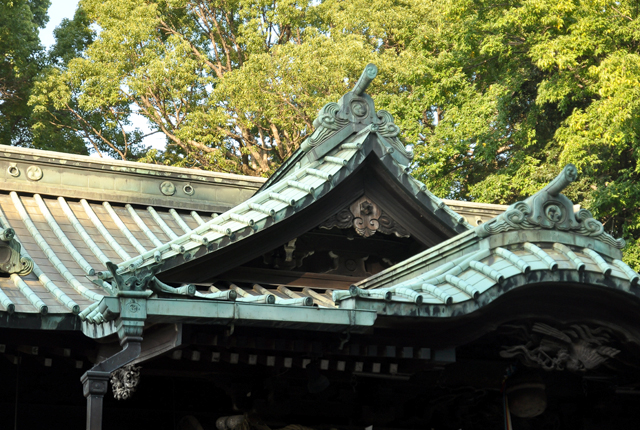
{"type": "Point", "coordinates": [94, 387]}
{"type": "Point", "coordinates": [132, 294]}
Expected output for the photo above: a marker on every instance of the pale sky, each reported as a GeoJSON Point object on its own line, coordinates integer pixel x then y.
{"type": "Point", "coordinates": [61, 9]}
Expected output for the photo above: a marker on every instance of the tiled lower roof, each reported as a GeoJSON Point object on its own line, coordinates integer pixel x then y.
{"type": "Point", "coordinates": [70, 240]}
{"type": "Point", "coordinates": [466, 278]}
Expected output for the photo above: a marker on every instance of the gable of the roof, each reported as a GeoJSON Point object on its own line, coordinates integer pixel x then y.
{"type": "Point", "coordinates": [350, 137]}
{"type": "Point", "coordinates": [539, 242]}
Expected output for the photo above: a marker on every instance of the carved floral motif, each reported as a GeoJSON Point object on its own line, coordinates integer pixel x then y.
{"type": "Point", "coordinates": [548, 209]}
{"type": "Point", "coordinates": [366, 218]}
{"type": "Point", "coordinates": [124, 381]}
{"type": "Point", "coordinates": [577, 349]}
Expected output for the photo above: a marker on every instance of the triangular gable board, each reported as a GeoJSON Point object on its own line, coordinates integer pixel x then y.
{"type": "Point", "coordinates": [353, 153]}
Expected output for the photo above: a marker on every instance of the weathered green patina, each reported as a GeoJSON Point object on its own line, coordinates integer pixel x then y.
{"type": "Point", "coordinates": [541, 240]}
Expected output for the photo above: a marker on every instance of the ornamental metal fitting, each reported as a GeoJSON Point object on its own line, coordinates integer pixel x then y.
{"type": "Point", "coordinates": [550, 210]}
{"type": "Point", "coordinates": [34, 173]}
{"type": "Point", "coordinates": [352, 114]}
{"type": "Point", "coordinates": [10, 259]}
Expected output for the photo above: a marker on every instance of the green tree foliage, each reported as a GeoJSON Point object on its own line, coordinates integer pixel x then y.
{"type": "Point", "coordinates": [21, 58]}
{"type": "Point", "coordinates": [234, 85]}
{"type": "Point", "coordinates": [494, 96]}
{"type": "Point", "coordinates": [68, 116]}
{"type": "Point", "coordinates": [520, 88]}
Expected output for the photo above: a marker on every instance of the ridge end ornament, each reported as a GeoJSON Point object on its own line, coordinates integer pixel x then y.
{"type": "Point", "coordinates": [353, 113]}
{"type": "Point", "coordinates": [142, 283]}
{"type": "Point", "coordinates": [11, 259]}
{"type": "Point", "coordinates": [548, 209]}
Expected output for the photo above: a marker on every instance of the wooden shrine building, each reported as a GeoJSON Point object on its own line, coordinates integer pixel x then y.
{"type": "Point", "coordinates": [338, 294]}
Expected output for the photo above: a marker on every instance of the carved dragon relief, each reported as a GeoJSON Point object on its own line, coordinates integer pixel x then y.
{"type": "Point", "coordinates": [577, 349]}
{"type": "Point", "coordinates": [366, 218]}
{"type": "Point", "coordinates": [124, 381]}
{"type": "Point", "coordinates": [11, 261]}
{"type": "Point", "coordinates": [548, 209]}
{"type": "Point", "coordinates": [356, 108]}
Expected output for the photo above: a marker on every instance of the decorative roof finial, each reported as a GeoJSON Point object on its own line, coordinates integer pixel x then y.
{"type": "Point", "coordinates": [368, 75]}
{"type": "Point", "coordinates": [11, 260]}
{"type": "Point", "coordinates": [548, 209]}
{"type": "Point", "coordinates": [353, 113]}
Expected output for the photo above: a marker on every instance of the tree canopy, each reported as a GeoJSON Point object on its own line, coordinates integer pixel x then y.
{"type": "Point", "coordinates": [234, 85]}
{"type": "Point", "coordinates": [495, 97]}
{"type": "Point", "coordinates": [518, 89]}
{"type": "Point", "coordinates": [21, 58]}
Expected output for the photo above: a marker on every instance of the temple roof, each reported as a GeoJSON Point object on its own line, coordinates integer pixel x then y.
{"type": "Point", "coordinates": [79, 232]}
{"type": "Point", "coordinates": [543, 240]}
{"type": "Point", "coordinates": [67, 215]}
{"type": "Point", "coordinates": [78, 228]}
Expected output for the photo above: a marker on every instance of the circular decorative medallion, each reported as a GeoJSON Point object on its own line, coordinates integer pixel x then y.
{"type": "Point", "coordinates": [167, 188]}
{"type": "Point", "coordinates": [13, 170]}
{"type": "Point", "coordinates": [351, 265]}
{"type": "Point", "coordinates": [134, 306]}
{"type": "Point", "coordinates": [553, 212]}
{"type": "Point", "coordinates": [34, 173]}
{"type": "Point", "coordinates": [188, 189]}
{"type": "Point", "coordinates": [359, 108]}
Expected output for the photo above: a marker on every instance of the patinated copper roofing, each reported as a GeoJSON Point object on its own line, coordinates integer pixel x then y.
{"type": "Point", "coordinates": [90, 226]}
{"type": "Point", "coordinates": [70, 238]}
{"type": "Point", "coordinates": [297, 190]}
{"type": "Point", "coordinates": [542, 240]}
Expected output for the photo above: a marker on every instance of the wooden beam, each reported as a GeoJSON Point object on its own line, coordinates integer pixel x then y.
{"type": "Point", "coordinates": [290, 278]}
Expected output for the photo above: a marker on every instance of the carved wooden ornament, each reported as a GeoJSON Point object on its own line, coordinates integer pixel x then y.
{"type": "Point", "coordinates": [124, 381]}
{"type": "Point", "coordinates": [577, 349]}
{"type": "Point", "coordinates": [366, 218]}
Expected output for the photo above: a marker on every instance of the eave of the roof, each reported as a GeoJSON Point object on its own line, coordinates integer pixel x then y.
{"type": "Point", "coordinates": [162, 310]}
{"type": "Point", "coordinates": [476, 275]}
